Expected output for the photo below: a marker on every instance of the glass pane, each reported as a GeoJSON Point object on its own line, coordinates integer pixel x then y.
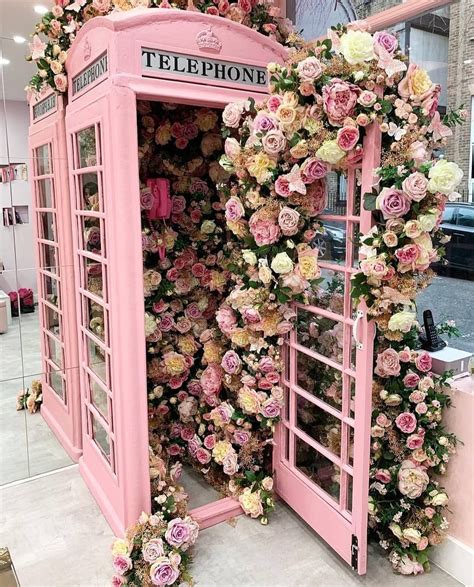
{"type": "Point", "coordinates": [286, 432]}
{"type": "Point", "coordinates": [47, 226]}
{"type": "Point", "coordinates": [45, 193]}
{"type": "Point", "coordinates": [352, 385]}
{"type": "Point", "coordinates": [97, 360]}
{"type": "Point", "coordinates": [91, 235]}
{"type": "Point", "coordinates": [52, 321]}
{"type": "Point", "coordinates": [337, 194]}
{"type": "Point", "coordinates": [320, 380]}
{"type": "Point", "coordinates": [88, 186]}
{"type": "Point", "coordinates": [48, 258]}
{"type": "Point", "coordinates": [94, 318]}
{"type": "Point", "coordinates": [56, 382]}
{"type": "Point", "coordinates": [350, 446]}
{"type": "Point", "coordinates": [54, 351]}
{"type": "Point", "coordinates": [331, 241]}
{"type": "Point", "coordinates": [320, 334]}
{"type": "Point", "coordinates": [87, 147]}
{"type": "Point", "coordinates": [43, 161]}
{"type": "Point", "coordinates": [329, 294]}
{"type": "Point", "coordinates": [100, 436]}
{"type": "Point", "coordinates": [349, 493]}
{"type": "Point", "coordinates": [94, 277]}
{"type": "Point", "coordinates": [317, 468]}
{"type": "Point", "coordinates": [355, 245]}
{"type": "Point", "coordinates": [98, 397]}
{"type": "Point", "coordinates": [321, 426]}
{"type": "Point", "coordinates": [50, 290]}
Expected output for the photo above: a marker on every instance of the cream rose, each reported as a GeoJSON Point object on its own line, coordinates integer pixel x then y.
{"type": "Point", "coordinates": [441, 499]}
{"type": "Point", "coordinates": [427, 222]}
{"type": "Point", "coordinates": [330, 152]}
{"type": "Point", "coordinates": [282, 263]}
{"type": "Point", "coordinates": [249, 257]}
{"type": "Point", "coordinates": [444, 176]}
{"type": "Point", "coordinates": [357, 47]}
{"type": "Point", "coordinates": [390, 238]}
{"type": "Point", "coordinates": [412, 480]}
{"type": "Point", "coordinates": [264, 274]}
{"type": "Point", "coordinates": [402, 321]}
{"type": "Point", "coordinates": [251, 503]}
{"type": "Point", "coordinates": [412, 535]}
{"type": "Point", "coordinates": [413, 229]}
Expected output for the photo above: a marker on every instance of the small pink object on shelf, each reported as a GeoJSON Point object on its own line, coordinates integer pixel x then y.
{"type": "Point", "coordinates": [160, 189]}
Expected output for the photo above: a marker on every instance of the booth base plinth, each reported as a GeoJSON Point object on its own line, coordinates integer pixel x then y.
{"type": "Point", "coordinates": [214, 513]}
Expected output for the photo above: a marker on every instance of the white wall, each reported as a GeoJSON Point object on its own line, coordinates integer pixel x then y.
{"type": "Point", "coordinates": [16, 243]}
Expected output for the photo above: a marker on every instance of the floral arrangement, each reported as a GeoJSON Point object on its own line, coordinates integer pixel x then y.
{"type": "Point", "coordinates": [30, 399]}
{"type": "Point", "coordinates": [280, 152]}
{"type": "Point", "coordinates": [58, 28]}
{"type": "Point", "coordinates": [22, 301]}
{"type": "Point", "coordinates": [155, 550]}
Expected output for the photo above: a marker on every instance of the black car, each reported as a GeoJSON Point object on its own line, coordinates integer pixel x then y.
{"type": "Point", "coordinates": [458, 223]}
{"type": "Point", "coordinates": [331, 242]}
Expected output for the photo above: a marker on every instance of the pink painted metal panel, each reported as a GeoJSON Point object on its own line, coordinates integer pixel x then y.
{"type": "Point", "coordinates": [330, 489]}
{"type": "Point", "coordinates": [47, 146]}
{"type": "Point", "coordinates": [120, 484]}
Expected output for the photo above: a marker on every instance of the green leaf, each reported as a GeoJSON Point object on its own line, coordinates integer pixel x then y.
{"type": "Point", "coordinates": [370, 202]}
{"type": "Point", "coordinates": [250, 476]}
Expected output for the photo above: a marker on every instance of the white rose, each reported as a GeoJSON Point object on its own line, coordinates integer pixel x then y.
{"type": "Point", "coordinates": [441, 499]}
{"type": "Point", "coordinates": [56, 67]}
{"type": "Point", "coordinates": [396, 530]}
{"type": "Point", "coordinates": [412, 535]}
{"type": "Point", "coordinates": [249, 257]}
{"type": "Point", "coordinates": [330, 152]}
{"type": "Point", "coordinates": [208, 226]}
{"type": "Point", "coordinates": [427, 222]}
{"type": "Point", "coordinates": [357, 47]}
{"type": "Point", "coordinates": [444, 176]}
{"type": "Point", "coordinates": [282, 263]}
{"type": "Point", "coordinates": [402, 321]}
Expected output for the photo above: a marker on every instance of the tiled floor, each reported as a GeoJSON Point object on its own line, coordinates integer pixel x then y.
{"type": "Point", "coordinates": [27, 445]}
{"type": "Point", "coordinates": [58, 538]}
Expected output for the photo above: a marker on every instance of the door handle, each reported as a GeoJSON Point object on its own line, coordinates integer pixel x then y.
{"type": "Point", "coordinates": [458, 234]}
{"type": "Point", "coordinates": [359, 315]}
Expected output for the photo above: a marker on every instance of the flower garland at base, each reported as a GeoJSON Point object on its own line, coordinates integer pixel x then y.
{"type": "Point", "coordinates": [30, 399]}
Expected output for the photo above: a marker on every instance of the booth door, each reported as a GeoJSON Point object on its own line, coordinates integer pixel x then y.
{"type": "Point", "coordinates": [323, 442]}
{"type": "Point", "coordinates": [60, 380]}
{"type": "Point", "coordinates": [103, 161]}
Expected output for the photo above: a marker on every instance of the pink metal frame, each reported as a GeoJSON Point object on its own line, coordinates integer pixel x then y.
{"type": "Point", "coordinates": [120, 481]}
{"type": "Point", "coordinates": [54, 259]}
{"type": "Point", "coordinates": [336, 520]}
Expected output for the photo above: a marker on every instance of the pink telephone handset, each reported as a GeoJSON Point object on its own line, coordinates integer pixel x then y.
{"type": "Point", "coordinates": [160, 189]}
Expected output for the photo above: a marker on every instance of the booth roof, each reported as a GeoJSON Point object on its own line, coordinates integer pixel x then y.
{"type": "Point", "coordinates": [120, 21]}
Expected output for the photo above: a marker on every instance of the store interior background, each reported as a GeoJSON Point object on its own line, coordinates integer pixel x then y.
{"type": "Point", "coordinates": [443, 43]}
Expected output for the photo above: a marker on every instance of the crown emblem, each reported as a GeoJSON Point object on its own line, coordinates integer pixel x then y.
{"type": "Point", "coordinates": [207, 40]}
{"type": "Point", "coordinates": [87, 50]}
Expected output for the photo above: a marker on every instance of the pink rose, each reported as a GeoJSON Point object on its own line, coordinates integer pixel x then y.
{"type": "Point", "coordinates": [316, 197]}
{"type": "Point", "coordinates": [234, 209]}
{"type": "Point", "coordinates": [274, 142]}
{"type": "Point", "coordinates": [122, 564]}
{"type": "Point", "coordinates": [421, 408]}
{"type": "Point", "coordinates": [118, 581]}
{"type": "Point", "coordinates": [146, 199]}
{"type": "Point", "coordinates": [265, 232]}
{"type": "Point", "coordinates": [411, 380]}
{"type": "Point", "coordinates": [251, 316]}
{"type": "Point", "coordinates": [415, 186]}
{"type": "Point", "coordinates": [270, 408]}
{"type": "Point", "coordinates": [152, 550]}
{"type": "Point", "coordinates": [230, 464]}
{"type": "Point", "coordinates": [430, 512]}
{"type": "Point", "coordinates": [406, 422]}
{"type": "Point", "coordinates": [309, 69]}
{"type": "Point", "coordinates": [383, 475]}
{"type": "Point", "coordinates": [178, 204]}
{"type": "Point", "coordinates": [193, 311]}
{"type": "Point", "coordinates": [274, 102]}
{"type": "Point", "coordinates": [423, 361]}
{"type": "Point", "coordinates": [313, 169]}
{"type": "Point", "coordinates": [231, 362]}
{"type": "Point", "coordinates": [264, 122]}
{"type": "Point", "coordinates": [241, 437]}
{"type": "Point", "coordinates": [211, 379]}
{"type": "Point", "coordinates": [383, 420]}
{"type": "Point", "coordinates": [408, 254]}
{"type": "Point", "coordinates": [367, 98]}
{"type": "Point", "coordinates": [347, 137]}
{"type": "Point", "coordinates": [388, 363]}
{"type": "Point", "coordinates": [339, 100]}
{"type": "Point", "coordinates": [203, 456]}
{"type": "Point", "coordinates": [423, 543]}
{"type": "Point", "coordinates": [210, 441]}
{"type": "Point", "coordinates": [404, 356]}
{"type": "Point", "coordinates": [232, 113]}
{"type": "Point", "coordinates": [60, 81]}
{"type": "Point", "coordinates": [412, 480]}
{"type": "Point", "coordinates": [393, 203]}
{"type": "Point", "coordinates": [418, 153]}
{"type": "Point", "coordinates": [386, 40]}
{"type": "Point", "coordinates": [282, 186]}
{"type": "Point", "coordinates": [417, 396]}
{"type": "Point", "coordinates": [266, 364]}
{"type": "Point", "coordinates": [288, 220]}
{"type": "Point", "coordinates": [430, 100]}
{"type": "Point", "coordinates": [231, 148]}
{"type": "Point", "coordinates": [226, 319]}
{"type": "Point", "coordinates": [415, 441]}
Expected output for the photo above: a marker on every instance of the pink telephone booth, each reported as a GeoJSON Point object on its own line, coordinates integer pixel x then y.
{"type": "Point", "coordinates": [164, 57]}
{"type": "Point", "coordinates": [54, 259]}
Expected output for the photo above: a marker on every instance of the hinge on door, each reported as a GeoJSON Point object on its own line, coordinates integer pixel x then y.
{"type": "Point", "coordinates": [354, 553]}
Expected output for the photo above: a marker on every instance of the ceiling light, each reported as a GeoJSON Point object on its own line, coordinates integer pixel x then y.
{"type": "Point", "coordinates": [19, 39]}
{"type": "Point", "coordinates": [4, 61]}
{"type": "Point", "coordinates": [40, 9]}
